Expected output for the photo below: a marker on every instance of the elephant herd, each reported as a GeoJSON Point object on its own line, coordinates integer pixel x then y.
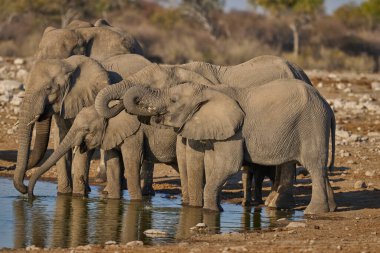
{"type": "Point", "coordinates": [205, 120]}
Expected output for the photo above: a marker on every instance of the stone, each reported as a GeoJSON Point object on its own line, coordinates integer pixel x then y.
{"type": "Point", "coordinates": [370, 173]}
{"type": "Point", "coordinates": [296, 225]}
{"type": "Point", "coordinates": [19, 61]}
{"type": "Point", "coordinates": [320, 85]}
{"type": "Point", "coordinates": [360, 184]}
{"type": "Point", "coordinates": [110, 243]}
{"type": "Point", "coordinates": [342, 134]}
{"type": "Point", "coordinates": [282, 219]}
{"type": "Point", "coordinates": [21, 75]}
{"type": "Point", "coordinates": [84, 247]}
{"type": "Point", "coordinates": [32, 247]}
{"type": "Point", "coordinates": [9, 85]}
{"type": "Point", "coordinates": [375, 86]}
{"type": "Point", "coordinates": [235, 249]}
{"type": "Point", "coordinates": [155, 233]}
{"type": "Point", "coordinates": [135, 243]}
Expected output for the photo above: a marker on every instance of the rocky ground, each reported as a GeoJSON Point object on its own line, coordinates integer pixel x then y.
{"type": "Point", "coordinates": [355, 227]}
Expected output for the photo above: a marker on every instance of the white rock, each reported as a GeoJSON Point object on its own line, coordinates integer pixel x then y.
{"type": "Point", "coordinates": [340, 86]}
{"type": "Point", "coordinates": [18, 61]}
{"type": "Point", "coordinates": [359, 184]}
{"type": "Point", "coordinates": [21, 75]}
{"type": "Point", "coordinates": [84, 247]}
{"type": "Point", "coordinates": [320, 85]}
{"type": "Point", "coordinates": [235, 249]}
{"type": "Point", "coordinates": [9, 85]}
{"type": "Point", "coordinates": [370, 173]}
{"type": "Point", "coordinates": [296, 225]}
{"type": "Point", "coordinates": [375, 86]}
{"type": "Point", "coordinates": [32, 247]}
{"type": "Point", "coordinates": [110, 243]}
{"type": "Point", "coordinates": [155, 233]}
{"type": "Point", "coordinates": [135, 243]}
{"type": "Point", "coordinates": [342, 134]}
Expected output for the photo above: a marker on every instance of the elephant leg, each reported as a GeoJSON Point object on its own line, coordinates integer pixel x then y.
{"type": "Point", "coordinates": [80, 171]}
{"type": "Point", "coordinates": [132, 152]}
{"type": "Point", "coordinates": [258, 175]}
{"type": "Point", "coordinates": [101, 175]}
{"type": "Point", "coordinates": [64, 164]}
{"type": "Point", "coordinates": [330, 194]}
{"type": "Point", "coordinates": [247, 185]}
{"type": "Point", "coordinates": [319, 197]}
{"type": "Point", "coordinates": [147, 178]}
{"type": "Point", "coordinates": [195, 172]}
{"type": "Point", "coordinates": [282, 195]}
{"type": "Point", "coordinates": [113, 187]}
{"type": "Point", "coordinates": [181, 159]}
{"type": "Point", "coordinates": [219, 167]}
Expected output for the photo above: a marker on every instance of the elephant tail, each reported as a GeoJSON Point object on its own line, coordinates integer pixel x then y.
{"type": "Point", "coordinates": [333, 127]}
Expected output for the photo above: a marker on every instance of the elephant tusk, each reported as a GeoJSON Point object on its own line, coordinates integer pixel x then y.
{"type": "Point", "coordinates": [34, 120]}
{"type": "Point", "coordinates": [76, 148]}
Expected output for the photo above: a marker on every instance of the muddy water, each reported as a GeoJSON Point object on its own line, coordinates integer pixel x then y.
{"type": "Point", "coordinates": [63, 221]}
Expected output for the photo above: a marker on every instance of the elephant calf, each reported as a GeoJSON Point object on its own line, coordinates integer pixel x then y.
{"type": "Point", "coordinates": [122, 134]}
{"type": "Point", "coordinates": [279, 123]}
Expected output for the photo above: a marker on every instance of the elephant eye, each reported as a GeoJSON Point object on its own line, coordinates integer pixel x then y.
{"type": "Point", "coordinates": [174, 99]}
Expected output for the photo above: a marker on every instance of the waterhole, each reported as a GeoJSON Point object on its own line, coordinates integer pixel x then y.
{"type": "Point", "coordinates": [62, 221]}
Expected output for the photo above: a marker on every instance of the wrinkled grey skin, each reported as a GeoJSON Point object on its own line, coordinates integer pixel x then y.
{"type": "Point", "coordinates": [297, 129]}
{"type": "Point", "coordinates": [61, 88]}
{"type": "Point", "coordinates": [255, 72]}
{"type": "Point", "coordinates": [79, 38]}
{"type": "Point", "coordinates": [122, 134]}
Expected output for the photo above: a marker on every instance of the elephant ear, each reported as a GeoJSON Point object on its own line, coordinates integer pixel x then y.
{"type": "Point", "coordinates": [85, 77]}
{"type": "Point", "coordinates": [219, 117]}
{"type": "Point", "coordinates": [118, 129]}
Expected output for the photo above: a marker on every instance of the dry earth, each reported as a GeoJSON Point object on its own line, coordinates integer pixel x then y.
{"type": "Point", "coordinates": [355, 227]}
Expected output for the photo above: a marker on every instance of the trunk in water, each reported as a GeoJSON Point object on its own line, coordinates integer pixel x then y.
{"type": "Point", "coordinates": [41, 142]}
{"type": "Point", "coordinates": [106, 95]}
{"type": "Point", "coordinates": [67, 143]}
{"type": "Point", "coordinates": [25, 128]}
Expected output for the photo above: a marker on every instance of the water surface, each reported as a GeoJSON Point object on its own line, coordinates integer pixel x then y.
{"type": "Point", "coordinates": [64, 221]}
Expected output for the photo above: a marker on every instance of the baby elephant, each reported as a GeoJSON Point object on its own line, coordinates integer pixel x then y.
{"type": "Point", "coordinates": [282, 122]}
{"type": "Point", "coordinates": [122, 134]}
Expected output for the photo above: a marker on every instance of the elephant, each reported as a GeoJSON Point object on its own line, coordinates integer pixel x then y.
{"type": "Point", "coordinates": [61, 88]}
{"type": "Point", "coordinates": [121, 134]}
{"type": "Point", "coordinates": [100, 42]}
{"type": "Point", "coordinates": [283, 121]}
{"type": "Point", "coordinates": [255, 72]}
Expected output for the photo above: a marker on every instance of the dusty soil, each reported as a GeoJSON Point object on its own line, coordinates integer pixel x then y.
{"type": "Point", "coordinates": [355, 227]}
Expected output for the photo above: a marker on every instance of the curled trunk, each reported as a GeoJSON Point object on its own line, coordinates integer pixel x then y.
{"type": "Point", "coordinates": [106, 95]}
{"type": "Point", "coordinates": [68, 142]}
{"type": "Point", "coordinates": [144, 101]}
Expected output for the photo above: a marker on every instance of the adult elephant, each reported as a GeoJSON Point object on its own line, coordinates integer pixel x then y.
{"type": "Point", "coordinates": [61, 88]}
{"type": "Point", "coordinates": [100, 42]}
{"type": "Point", "coordinates": [253, 73]}
{"type": "Point", "coordinates": [284, 121]}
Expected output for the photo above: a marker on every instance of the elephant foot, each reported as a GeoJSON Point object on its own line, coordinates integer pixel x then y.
{"type": "Point", "coordinates": [257, 202]}
{"type": "Point", "coordinates": [247, 202]}
{"type": "Point", "coordinates": [148, 191]}
{"type": "Point", "coordinates": [112, 195]}
{"type": "Point", "coordinates": [80, 194]}
{"type": "Point", "coordinates": [316, 208]}
{"type": "Point", "coordinates": [64, 190]}
{"type": "Point", "coordinates": [280, 199]}
{"type": "Point", "coordinates": [101, 176]}
{"type": "Point", "coordinates": [332, 206]}
{"type": "Point", "coordinates": [213, 209]}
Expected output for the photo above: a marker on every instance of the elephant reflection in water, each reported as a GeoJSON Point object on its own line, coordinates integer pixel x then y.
{"type": "Point", "coordinates": [191, 216]}
{"type": "Point", "coordinates": [108, 219]}
{"type": "Point", "coordinates": [136, 220]}
{"type": "Point", "coordinates": [26, 232]}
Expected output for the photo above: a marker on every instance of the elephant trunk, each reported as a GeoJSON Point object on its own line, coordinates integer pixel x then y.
{"type": "Point", "coordinates": [68, 142]}
{"type": "Point", "coordinates": [144, 101]}
{"type": "Point", "coordinates": [41, 142]}
{"type": "Point", "coordinates": [27, 119]}
{"type": "Point", "coordinates": [106, 95]}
